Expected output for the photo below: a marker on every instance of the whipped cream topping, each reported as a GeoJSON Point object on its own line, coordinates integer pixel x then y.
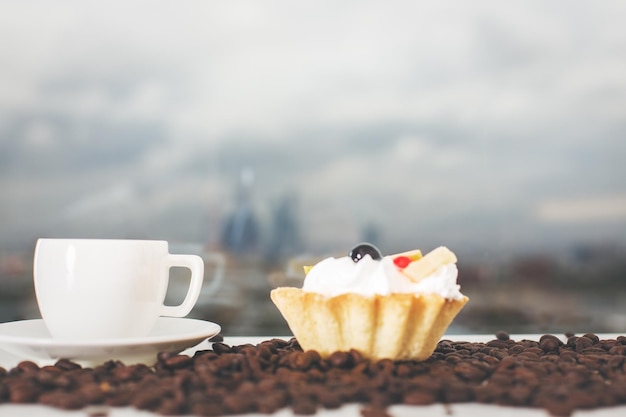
{"type": "Point", "coordinates": [335, 276]}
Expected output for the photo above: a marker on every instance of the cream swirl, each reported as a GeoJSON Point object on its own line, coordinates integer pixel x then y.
{"type": "Point", "coordinates": [335, 276]}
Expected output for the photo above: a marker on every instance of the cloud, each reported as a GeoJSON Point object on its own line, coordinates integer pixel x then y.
{"type": "Point", "coordinates": [584, 210]}
{"type": "Point", "coordinates": [426, 114]}
{"type": "Point", "coordinates": [225, 68]}
{"type": "Point", "coordinates": [117, 197]}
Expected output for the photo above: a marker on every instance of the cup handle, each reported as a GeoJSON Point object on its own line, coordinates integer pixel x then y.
{"type": "Point", "coordinates": [196, 266]}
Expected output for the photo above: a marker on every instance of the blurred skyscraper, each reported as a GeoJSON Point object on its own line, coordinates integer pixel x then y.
{"type": "Point", "coordinates": [240, 234]}
{"type": "Point", "coordinates": [285, 238]}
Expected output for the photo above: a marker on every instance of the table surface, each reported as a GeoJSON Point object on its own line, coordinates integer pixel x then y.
{"type": "Point", "coordinates": [352, 410]}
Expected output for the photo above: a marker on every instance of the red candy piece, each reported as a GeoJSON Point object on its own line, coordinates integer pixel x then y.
{"type": "Point", "coordinates": [402, 261]}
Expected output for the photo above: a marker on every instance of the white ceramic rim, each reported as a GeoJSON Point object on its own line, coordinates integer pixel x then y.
{"type": "Point", "coordinates": [204, 329]}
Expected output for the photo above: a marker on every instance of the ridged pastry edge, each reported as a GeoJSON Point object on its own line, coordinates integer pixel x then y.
{"type": "Point", "coordinates": [395, 326]}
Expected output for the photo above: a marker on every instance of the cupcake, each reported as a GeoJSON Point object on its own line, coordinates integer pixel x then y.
{"type": "Point", "coordinates": [395, 307]}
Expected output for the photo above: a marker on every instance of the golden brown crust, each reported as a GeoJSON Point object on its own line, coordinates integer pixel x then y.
{"type": "Point", "coordinates": [395, 326]}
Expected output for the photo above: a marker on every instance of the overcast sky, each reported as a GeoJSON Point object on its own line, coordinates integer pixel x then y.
{"type": "Point", "coordinates": [477, 124]}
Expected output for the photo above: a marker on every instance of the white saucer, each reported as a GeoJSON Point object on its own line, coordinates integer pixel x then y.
{"type": "Point", "coordinates": [30, 340]}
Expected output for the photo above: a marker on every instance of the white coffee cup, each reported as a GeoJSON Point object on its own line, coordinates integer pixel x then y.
{"type": "Point", "coordinates": [108, 288]}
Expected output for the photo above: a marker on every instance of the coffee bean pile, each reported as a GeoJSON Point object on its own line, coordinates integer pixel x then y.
{"type": "Point", "coordinates": [585, 372]}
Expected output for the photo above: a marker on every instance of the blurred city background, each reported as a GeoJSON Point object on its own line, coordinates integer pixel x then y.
{"type": "Point", "coordinates": [276, 133]}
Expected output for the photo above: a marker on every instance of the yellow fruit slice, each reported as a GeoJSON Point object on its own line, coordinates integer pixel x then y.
{"type": "Point", "coordinates": [307, 268]}
{"type": "Point", "coordinates": [413, 255]}
{"type": "Point", "coordinates": [420, 269]}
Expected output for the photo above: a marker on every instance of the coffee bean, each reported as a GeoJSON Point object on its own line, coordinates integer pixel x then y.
{"type": "Point", "coordinates": [515, 349]}
{"type": "Point", "coordinates": [27, 366]}
{"type": "Point", "coordinates": [177, 362]}
{"type": "Point", "coordinates": [355, 356]}
{"type": "Point", "coordinates": [502, 335]}
{"type": "Point", "coordinates": [300, 361]}
{"type": "Point", "coordinates": [491, 360]}
{"type": "Point", "coordinates": [63, 381]}
{"type": "Point", "coordinates": [64, 400]}
{"type": "Point", "coordinates": [616, 361]}
{"type": "Point", "coordinates": [147, 399]}
{"type": "Point", "coordinates": [549, 343]}
{"type": "Point", "coordinates": [91, 393]}
{"type": "Point", "coordinates": [528, 356]}
{"type": "Point", "coordinates": [594, 349]}
{"type": "Point", "coordinates": [374, 412]}
{"type": "Point", "coordinates": [339, 360]}
{"type": "Point", "coordinates": [585, 372]}
{"type": "Point", "coordinates": [500, 353]}
{"type": "Point", "coordinates": [594, 338]}
{"type": "Point", "coordinates": [498, 343]}
{"type": "Point", "coordinates": [582, 343]}
{"type": "Point", "coordinates": [418, 398]}
{"type": "Point", "coordinates": [170, 407]}
{"type": "Point", "coordinates": [457, 392]}
{"type": "Point", "coordinates": [22, 392]}
{"type": "Point", "coordinates": [453, 358]}
{"type": "Point", "coordinates": [558, 408]}
{"type": "Point", "coordinates": [221, 348]}
{"type": "Point", "coordinates": [207, 409]}
{"type": "Point", "coordinates": [520, 394]}
{"type": "Point", "coordinates": [66, 365]}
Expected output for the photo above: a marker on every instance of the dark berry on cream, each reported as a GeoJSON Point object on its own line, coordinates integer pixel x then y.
{"type": "Point", "coordinates": [359, 251]}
